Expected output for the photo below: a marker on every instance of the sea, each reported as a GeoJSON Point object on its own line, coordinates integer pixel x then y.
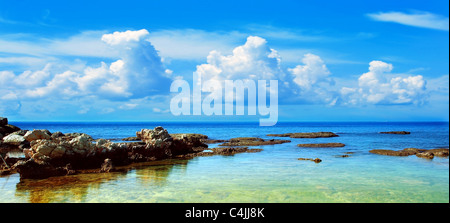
{"type": "Point", "coordinates": [347, 174]}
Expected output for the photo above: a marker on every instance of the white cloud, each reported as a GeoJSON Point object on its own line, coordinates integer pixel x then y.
{"type": "Point", "coordinates": [312, 80]}
{"type": "Point", "coordinates": [138, 73]}
{"type": "Point", "coordinates": [374, 87]}
{"type": "Point", "coordinates": [418, 19]}
{"type": "Point", "coordinates": [253, 60]}
{"type": "Point", "coordinates": [86, 44]}
{"type": "Point", "coordinates": [118, 38]}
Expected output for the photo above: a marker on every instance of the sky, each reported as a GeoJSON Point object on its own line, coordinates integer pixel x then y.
{"type": "Point", "coordinates": [115, 61]}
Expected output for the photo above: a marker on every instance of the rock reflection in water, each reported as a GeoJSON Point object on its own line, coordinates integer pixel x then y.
{"type": "Point", "coordinates": [157, 173]}
{"type": "Point", "coordinates": [78, 188]}
{"type": "Point", "coordinates": [73, 188]}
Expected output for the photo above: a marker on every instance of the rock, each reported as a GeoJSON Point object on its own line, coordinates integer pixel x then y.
{"type": "Point", "coordinates": [6, 147]}
{"type": "Point", "coordinates": [57, 135]}
{"type": "Point", "coordinates": [404, 152]}
{"type": "Point", "coordinates": [252, 141]}
{"type": "Point", "coordinates": [224, 151]}
{"type": "Point", "coordinates": [191, 138]}
{"type": "Point", "coordinates": [20, 132]}
{"type": "Point", "coordinates": [32, 169]}
{"type": "Point", "coordinates": [342, 156]}
{"type": "Point", "coordinates": [189, 135]}
{"type": "Point", "coordinates": [426, 155]}
{"type": "Point", "coordinates": [68, 169]}
{"type": "Point", "coordinates": [397, 132]}
{"type": "Point", "coordinates": [3, 121]}
{"type": "Point", "coordinates": [156, 137]}
{"type": "Point", "coordinates": [131, 139]}
{"type": "Point", "coordinates": [439, 152]}
{"type": "Point", "coordinates": [107, 166]}
{"type": "Point", "coordinates": [306, 135]}
{"type": "Point", "coordinates": [322, 145]}
{"type": "Point", "coordinates": [316, 160]}
{"type": "Point", "coordinates": [37, 134]}
{"type": "Point", "coordinates": [76, 134]}
{"type": "Point", "coordinates": [213, 141]}
{"type": "Point", "coordinates": [8, 129]}
{"type": "Point", "coordinates": [392, 152]}
{"type": "Point", "coordinates": [13, 139]}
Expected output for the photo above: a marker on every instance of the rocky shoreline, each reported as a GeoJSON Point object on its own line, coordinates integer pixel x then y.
{"type": "Point", "coordinates": [46, 154]}
{"type": "Point", "coordinates": [49, 154]}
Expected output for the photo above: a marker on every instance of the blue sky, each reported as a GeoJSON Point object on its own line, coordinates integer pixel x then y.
{"type": "Point", "coordinates": [339, 60]}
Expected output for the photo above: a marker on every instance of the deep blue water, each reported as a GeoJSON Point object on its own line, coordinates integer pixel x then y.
{"type": "Point", "coordinates": [275, 174]}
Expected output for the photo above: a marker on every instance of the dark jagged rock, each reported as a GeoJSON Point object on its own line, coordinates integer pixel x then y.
{"type": "Point", "coordinates": [3, 121]}
{"type": "Point", "coordinates": [316, 160]}
{"type": "Point", "coordinates": [57, 135]}
{"type": "Point", "coordinates": [8, 129]}
{"type": "Point", "coordinates": [397, 132]}
{"type": "Point", "coordinates": [32, 169]}
{"type": "Point", "coordinates": [306, 135]}
{"type": "Point", "coordinates": [196, 140]}
{"type": "Point", "coordinates": [321, 145]}
{"type": "Point", "coordinates": [252, 141]}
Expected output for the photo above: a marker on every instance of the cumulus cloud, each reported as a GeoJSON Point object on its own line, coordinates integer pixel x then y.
{"type": "Point", "coordinates": [138, 73]}
{"type": "Point", "coordinates": [253, 60]}
{"type": "Point", "coordinates": [375, 87]}
{"type": "Point", "coordinates": [312, 80]}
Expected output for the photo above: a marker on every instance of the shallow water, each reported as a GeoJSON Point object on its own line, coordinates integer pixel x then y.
{"type": "Point", "coordinates": [273, 175]}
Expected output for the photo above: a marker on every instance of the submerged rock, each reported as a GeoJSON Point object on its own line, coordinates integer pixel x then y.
{"type": "Point", "coordinates": [213, 141]}
{"type": "Point", "coordinates": [224, 151]}
{"type": "Point", "coordinates": [322, 145]}
{"type": "Point", "coordinates": [252, 141]}
{"type": "Point", "coordinates": [306, 135]}
{"type": "Point", "coordinates": [316, 160]}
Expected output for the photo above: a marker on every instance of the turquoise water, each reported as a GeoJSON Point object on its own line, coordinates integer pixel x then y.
{"type": "Point", "coordinates": [273, 175]}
